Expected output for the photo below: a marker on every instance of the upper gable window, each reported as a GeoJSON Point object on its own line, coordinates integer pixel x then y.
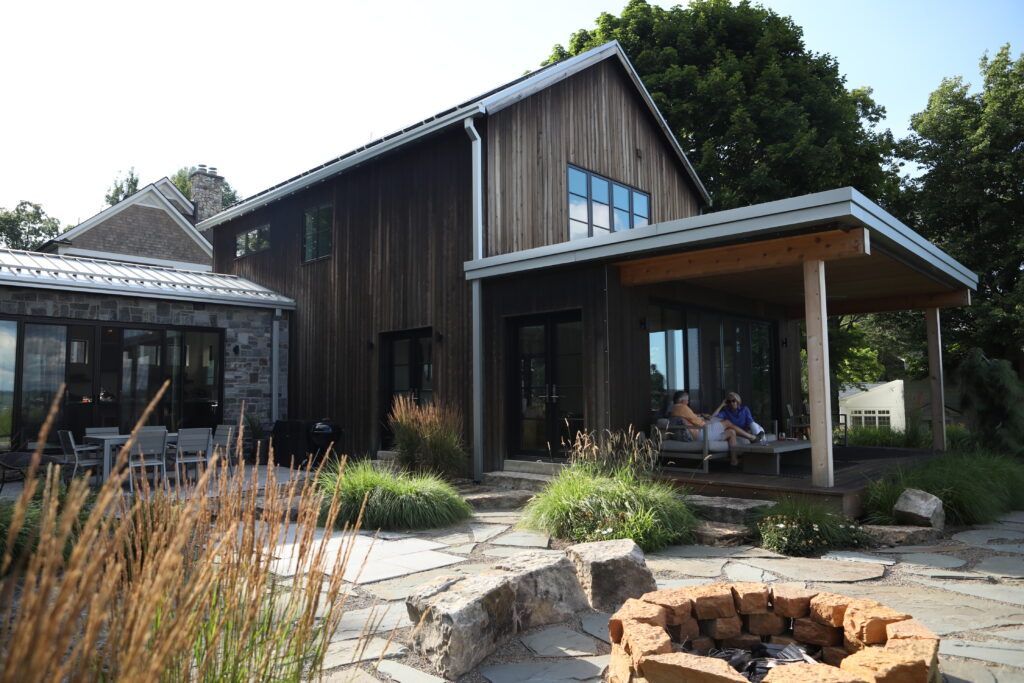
{"type": "Point", "coordinates": [251, 241]}
{"type": "Point", "coordinates": [598, 205]}
{"type": "Point", "coordinates": [316, 232]}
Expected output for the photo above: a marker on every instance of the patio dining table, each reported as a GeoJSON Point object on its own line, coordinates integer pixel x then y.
{"type": "Point", "coordinates": [110, 441]}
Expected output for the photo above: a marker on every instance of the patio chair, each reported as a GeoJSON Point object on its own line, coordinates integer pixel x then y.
{"type": "Point", "coordinates": [149, 450]}
{"type": "Point", "coordinates": [194, 447]}
{"type": "Point", "coordinates": [222, 441]}
{"type": "Point", "coordinates": [78, 456]}
{"type": "Point", "coordinates": [700, 448]}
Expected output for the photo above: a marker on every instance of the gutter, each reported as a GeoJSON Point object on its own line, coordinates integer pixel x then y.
{"type": "Point", "coordinates": [477, 190]}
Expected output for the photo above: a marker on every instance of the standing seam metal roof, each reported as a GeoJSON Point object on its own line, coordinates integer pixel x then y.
{"type": "Point", "coordinates": [37, 270]}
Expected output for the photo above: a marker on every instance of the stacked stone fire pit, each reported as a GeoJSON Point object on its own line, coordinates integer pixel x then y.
{"type": "Point", "coordinates": [666, 635]}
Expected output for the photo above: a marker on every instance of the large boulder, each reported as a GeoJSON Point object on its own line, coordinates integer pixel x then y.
{"type": "Point", "coordinates": [919, 508]}
{"type": "Point", "coordinates": [461, 620]}
{"type": "Point", "coordinates": [546, 588]}
{"type": "Point", "coordinates": [611, 572]}
{"type": "Point", "coordinates": [900, 535]}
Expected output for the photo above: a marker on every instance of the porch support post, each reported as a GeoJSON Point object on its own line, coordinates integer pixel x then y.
{"type": "Point", "coordinates": [817, 374]}
{"type": "Point", "coordinates": [935, 378]}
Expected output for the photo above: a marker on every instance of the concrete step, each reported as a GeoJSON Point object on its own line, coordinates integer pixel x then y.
{"type": "Point", "coordinates": [499, 499]}
{"type": "Point", "coordinates": [728, 510]}
{"type": "Point", "coordinates": [722, 534]}
{"type": "Point", "coordinates": [511, 481]}
{"type": "Point", "coordinates": [533, 466]}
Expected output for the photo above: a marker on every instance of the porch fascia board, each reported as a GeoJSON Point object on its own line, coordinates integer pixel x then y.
{"type": "Point", "coordinates": [843, 206]}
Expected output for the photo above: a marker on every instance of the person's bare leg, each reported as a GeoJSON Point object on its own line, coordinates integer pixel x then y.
{"type": "Point", "coordinates": [730, 436]}
{"type": "Point", "coordinates": [739, 432]}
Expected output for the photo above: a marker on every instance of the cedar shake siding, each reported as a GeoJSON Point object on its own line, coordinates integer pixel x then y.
{"type": "Point", "coordinates": [142, 231]}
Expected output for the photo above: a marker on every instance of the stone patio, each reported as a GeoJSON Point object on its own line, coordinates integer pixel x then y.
{"type": "Point", "coordinates": [968, 588]}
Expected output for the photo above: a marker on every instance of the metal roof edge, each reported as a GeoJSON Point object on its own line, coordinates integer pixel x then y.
{"type": "Point", "coordinates": [287, 303]}
{"type": "Point", "coordinates": [908, 239]}
{"type": "Point", "coordinates": [819, 207]}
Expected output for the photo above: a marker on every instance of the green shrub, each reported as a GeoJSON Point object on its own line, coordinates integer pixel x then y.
{"type": "Point", "coordinates": [584, 504]}
{"type": "Point", "coordinates": [915, 436]}
{"type": "Point", "coordinates": [799, 527]}
{"type": "Point", "coordinates": [396, 500]}
{"type": "Point", "coordinates": [992, 397]}
{"type": "Point", "coordinates": [613, 451]}
{"type": "Point", "coordinates": [975, 487]}
{"type": "Point", "coordinates": [428, 437]}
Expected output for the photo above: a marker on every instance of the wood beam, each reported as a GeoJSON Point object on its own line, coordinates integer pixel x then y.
{"type": "Point", "coordinates": [909, 302]}
{"type": "Point", "coordinates": [935, 378]}
{"type": "Point", "coordinates": [818, 387]}
{"type": "Point", "coordinates": [737, 258]}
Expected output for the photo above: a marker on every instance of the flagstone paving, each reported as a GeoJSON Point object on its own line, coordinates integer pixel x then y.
{"type": "Point", "coordinates": [968, 588]}
{"type": "Point", "coordinates": [561, 641]}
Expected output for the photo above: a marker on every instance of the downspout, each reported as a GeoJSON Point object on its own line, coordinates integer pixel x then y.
{"type": "Point", "coordinates": [275, 365]}
{"type": "Point", "coordinates": [477, 305]}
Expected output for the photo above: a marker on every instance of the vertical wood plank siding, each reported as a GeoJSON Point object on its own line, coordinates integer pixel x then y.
{"type": "Point", "coordinates": [401, 233]}
{"type": "Point", "coordinates": [594, 120]}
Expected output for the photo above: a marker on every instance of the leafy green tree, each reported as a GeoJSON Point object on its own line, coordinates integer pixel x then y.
{"type": "Point", "coordinates": [992, 396]}
{"type": "Point", "coordinates": [26, 225]}
{"type": "Point", "coordinates": [182, 180]}
{"type": "Point", "coordinates": [760, 116]}
{"type": "Point", "coordinates": [123, 188]}
{"type": "Point", "coordinates": [970, 199]}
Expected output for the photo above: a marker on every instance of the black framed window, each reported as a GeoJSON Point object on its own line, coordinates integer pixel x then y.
{"type": "Point", "coordinates": [598, 205]}
{"type": "Point", "coordinates": [251, 241]}
{"type": "Point", "coordinates": [316, 232]}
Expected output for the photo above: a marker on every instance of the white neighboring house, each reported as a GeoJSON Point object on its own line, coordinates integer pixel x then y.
{"type": "Point", "coordinates": [879, 404]}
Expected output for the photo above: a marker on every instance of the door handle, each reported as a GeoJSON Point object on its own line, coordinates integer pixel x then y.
{"type": "Point", "coordinates": [553, 396]}
{"type": "Point", "coordinates": [547, 393]}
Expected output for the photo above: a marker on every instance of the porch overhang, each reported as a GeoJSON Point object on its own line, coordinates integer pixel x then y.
{"type": "Point", "coordinates": [896, 269]}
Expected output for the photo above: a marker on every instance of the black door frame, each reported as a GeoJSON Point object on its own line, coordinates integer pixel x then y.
{"type": "Point", "coordinates": [386, 382]}
{"type": "Point", "coordinates": [550, 320]}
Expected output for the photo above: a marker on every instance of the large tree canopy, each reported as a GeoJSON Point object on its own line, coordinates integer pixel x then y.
{"type": "Point", "coordinates": [759, 115]}
{"type": "Point", "coordinates": [969, 199]}
{"type": "Point", "coordinates": [26, 225]}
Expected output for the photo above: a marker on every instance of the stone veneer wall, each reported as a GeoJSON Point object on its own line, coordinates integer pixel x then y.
{"type": "Point", "coordinates": [247, 375]}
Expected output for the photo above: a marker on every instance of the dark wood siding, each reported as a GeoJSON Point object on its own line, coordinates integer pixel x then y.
{"type": "Point", "coordinates": [595, 120]}
{"type": "Point", "coordinates": [400, 237]}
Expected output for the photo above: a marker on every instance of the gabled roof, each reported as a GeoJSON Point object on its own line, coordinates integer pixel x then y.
{"type": "Point", "coordinates": [489, 103]}
{"type": "Point", "coordinates": [150, 193]}
{"type": "Point", "coordinates": [171, 191]}
{"type": "Point", "coordinates": [34, 269]}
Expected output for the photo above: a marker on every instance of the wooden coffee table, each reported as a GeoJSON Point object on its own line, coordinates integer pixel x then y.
{"type": "Point", "coordinates": [763, 458]}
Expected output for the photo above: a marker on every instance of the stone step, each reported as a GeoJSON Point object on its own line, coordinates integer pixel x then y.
{"type": "Point", "coordinates": [511, 481]}
{"type": "Point", "coordinates": [729, 510]}
{"type": "Point", "coordinates": [722, 534]}
{"type": "Point", "coordinates": [499, 499]}
{"type": "Point", "coordinates": [533, 466]}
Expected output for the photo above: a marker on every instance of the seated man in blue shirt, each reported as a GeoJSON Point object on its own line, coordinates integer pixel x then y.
{"type": "Point", "coordinates": [736, 416]}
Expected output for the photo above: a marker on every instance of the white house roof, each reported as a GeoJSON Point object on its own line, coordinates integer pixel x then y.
{"type": "Point", "coordinates": [488, 103]}
{"type": "Point", "coordinates": [37, 270]}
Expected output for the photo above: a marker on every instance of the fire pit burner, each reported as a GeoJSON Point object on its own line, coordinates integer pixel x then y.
{"type": "Point", "coordinates": [752, 632]}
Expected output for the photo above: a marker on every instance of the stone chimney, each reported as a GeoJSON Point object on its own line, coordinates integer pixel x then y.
{"type": "Point", "coordinates": [207, 192]}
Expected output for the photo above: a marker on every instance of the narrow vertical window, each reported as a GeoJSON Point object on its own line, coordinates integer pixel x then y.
{"type": "Point", "coordinates": [316, 233]}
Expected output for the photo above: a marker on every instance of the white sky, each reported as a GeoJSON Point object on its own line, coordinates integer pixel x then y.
{"type": "Point", "coordinates": [265, 90]}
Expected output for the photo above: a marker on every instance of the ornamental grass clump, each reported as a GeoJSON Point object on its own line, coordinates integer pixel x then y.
{"type": "Point", "coordinates": [168, 585]}
{"type": "Point", "coordinates": [975, 487]}
{"type": "Point", "coordinates": [582, 504]}
{"type": "Point", "coordinates": [800, 528]}
{"type": "Point", "coordinates": [613, 451]}
{"type": "Point", "coordinates": [428, 437]}
{"type": "Point", "coordinates": [394, 500]}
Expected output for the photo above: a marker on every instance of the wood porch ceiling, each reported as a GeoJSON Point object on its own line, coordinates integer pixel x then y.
{"type": "Point", "coordinates": [860, 277]}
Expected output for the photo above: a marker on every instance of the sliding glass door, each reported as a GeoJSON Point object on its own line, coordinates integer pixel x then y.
{"type": "Point", "coordinates": [709, 353]}
{"type": "Point", "coordinates": [110, 374]}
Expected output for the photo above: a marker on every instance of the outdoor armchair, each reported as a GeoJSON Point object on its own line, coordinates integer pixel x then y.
{"type": "Point", "coordinates": [75, 455]}
{"type": "Point", "coordinates": [193, 448]}
{"type": "Point", "coordinates": [149, 450]}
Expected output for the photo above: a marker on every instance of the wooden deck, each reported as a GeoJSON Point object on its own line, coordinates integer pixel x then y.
{"type": "Point", "coordinates": [854, 467]}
